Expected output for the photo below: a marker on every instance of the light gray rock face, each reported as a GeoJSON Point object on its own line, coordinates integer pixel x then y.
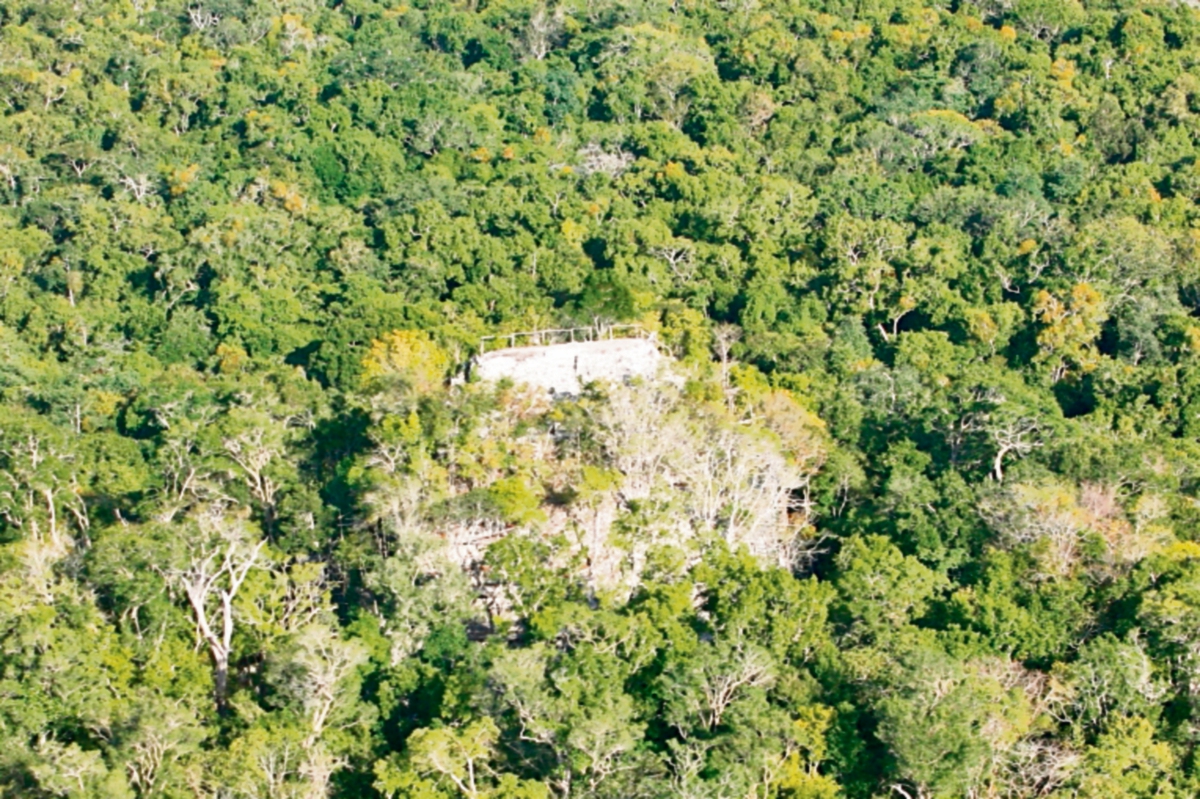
{"type": "Point", "coordinates": [565, 368]}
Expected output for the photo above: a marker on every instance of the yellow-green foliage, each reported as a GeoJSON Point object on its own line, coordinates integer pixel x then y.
{"type": "Point", "coordinates": [408, 357]}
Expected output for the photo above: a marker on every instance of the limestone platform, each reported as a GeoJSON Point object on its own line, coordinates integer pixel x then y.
{"type": "Point", "coordinates": [566, 368]}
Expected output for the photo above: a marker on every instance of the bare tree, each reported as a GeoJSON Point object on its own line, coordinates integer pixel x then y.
{"type": "Point", "coordinates": [595, 159]}
{"type": "Point", "coordinates": [201, 18]}
{"type": "Point", "coordinates": [65, 769]}
{"type": "Point", "coordinates": [638, 433]}
{"type": "Point", "coordinates": [216, 564]}
{"type": "Point", "coordinates": [725, 336]}
{"type": "Point", "coordinates": [190, 475]}
{"type": "Point", "coordinates": [737, 485]}
{"type": "Point", "coordinates": [317, 672]}
{"type": "Point", "coordinates": [255, 443]}
{"type": "Point", "coordinates": [140, 186]}
{"type": "Point", "coordinates": [39, 491]}
{"type": "Point", "coordinates": [253, 454]}
{"type": "Point", "coordinates": [1047, 515]}
{"type": "Point", "coordinates": [678, 256]}
{"type": "Point", "coordinates": [1016, 436]}
{"type": "Point", "coordinates": [543, 32]}
{"type": "Point", "coordinates": [317, 770]}
{"type": "Point", "coordinates": [1036, 767]}
{"type": "Point", "coordinates": [162, 732]}
{"type": "Point", "coordinates": [729, 480]}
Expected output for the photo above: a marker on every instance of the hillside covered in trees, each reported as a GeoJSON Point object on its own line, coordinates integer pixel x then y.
{"type": "Point", "coordinates": [913, 514]}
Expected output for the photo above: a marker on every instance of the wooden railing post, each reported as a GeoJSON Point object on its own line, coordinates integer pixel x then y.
{"type": "Point", "coordinates": [558, 335]}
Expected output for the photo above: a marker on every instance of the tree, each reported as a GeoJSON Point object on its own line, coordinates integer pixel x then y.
{"type": "Point", "coordinates": [160, 737]}
{"type": "Point", "coordinates": [667, 66]}
{"type": "Point", "coordinates": [1112, 679]}
{"type": "Point", "coordinates": [570, 715]}
{"type": "Point", "coordinates": [460, 756]}
{"type": "Point", "coordinates": [945, 722]}
{"type": "Point", "coordinates": [881, 587]}
{"type": "Point", "coordinates": [910, 513]}
{"type": "Point", "coordinates": [700, 690]}
{"type": "Point", "coordinates": [40, 488]}
{"type": "Point", "coordinates": [1127, 761]}
{"type": "Point", "coordinates": [210, 569]}
{"type": "Point", "coordinates": [316, 672]}
{"type": "Point", "coordinates": [1070, 329]}
{"type": "Point", "coordinates": [406, 357]}
{"type": "Point", "coordinates": [256, 444]}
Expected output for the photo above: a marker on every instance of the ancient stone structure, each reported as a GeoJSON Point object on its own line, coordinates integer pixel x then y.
{"type": "Point", "coordinates": [563, 369]}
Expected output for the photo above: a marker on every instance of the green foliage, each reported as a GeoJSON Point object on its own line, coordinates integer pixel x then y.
{"type": "Point", "coordinates": [881, 587]}
{"type": "Point", "coordinates": [944, 721]}
{"type": "Point", "coordinates": [515, 501]}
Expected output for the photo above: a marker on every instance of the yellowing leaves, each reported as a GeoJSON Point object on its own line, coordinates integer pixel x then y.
{"type": "Point", "coordinates": [1052, 519]}
{"type": "Point", "coordinates": [103, 403]}
{"type": "Point", "coordinates": [648, 70]}
{"type": "Point", "coordinates": [573, 232]}
{"type": "Point", "coordinates": [913, 27]}
{"type": "Point", "coordinates": [516, 501]}
{"type": "Point", "coordinates": [1063, 71]}
{"type": "Point", "coordinates": [801, 432]}
{"type": "Point", "coordinates": [1192, 337]}
{"type": "Point", "coordinates": [943, 129]}
{"type": "Point", "coordinates": [182, 178]}
{"type": "Point", "coordinates": [859, 32]}
{"type": "Point", "coordinates": [1182, 550]}
{"type": "Point", "coordinates": [12, 265]}
{"type": "Point", "coordinates": [231, 358]}
{"type": "Point", "coordinates": [292, 200]}
{"type": "Point", "coordinates": [988, 126]}
{"type": "Point", "coordinates": [409, 357]}
{"type": "Point", "coordinates": [981, 325]}
{"type": "Point", "coordinates": [799, 776]}
{"type": "Point", "coordinates": [1070, 328]}
{"type": "Point", "coordinates": [293, 34]}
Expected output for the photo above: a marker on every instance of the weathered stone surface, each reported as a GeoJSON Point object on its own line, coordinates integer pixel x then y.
{"type": "Point", "coordinates": [565, 368]}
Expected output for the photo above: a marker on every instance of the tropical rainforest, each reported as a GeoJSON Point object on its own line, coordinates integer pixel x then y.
{"type": "Point", "coordinates": [916, 512]}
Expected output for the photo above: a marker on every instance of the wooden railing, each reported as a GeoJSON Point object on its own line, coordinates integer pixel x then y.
{"type": "Point", "coordinates": [563, 335]}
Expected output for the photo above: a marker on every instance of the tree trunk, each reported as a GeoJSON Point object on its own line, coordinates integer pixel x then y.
{"type": "Point", "coordinates": [221, 680]}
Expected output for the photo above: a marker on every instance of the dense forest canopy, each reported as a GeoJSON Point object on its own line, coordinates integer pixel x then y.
{"type": "Point", "coordinates": [914, 514]}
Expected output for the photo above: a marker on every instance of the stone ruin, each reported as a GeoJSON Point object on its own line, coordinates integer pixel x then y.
{"type": "Point", "coordinates": [563, 368]}
{"type": "Point", "coordinates": [698, 470]}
